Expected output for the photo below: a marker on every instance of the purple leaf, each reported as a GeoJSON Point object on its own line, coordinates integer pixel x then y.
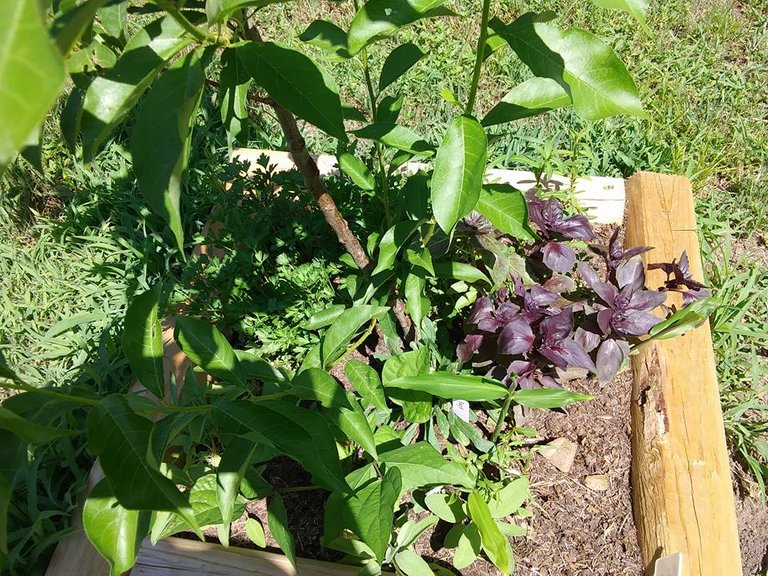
{"type": "Point", "coordinates": [633, 322]}
{"type": "Point", "coordinates": [693, 295]}
{"type": "Point", "coordinates": [607, 292]}
{"type": "Point", "coordinates": [586, 339]}
{"type": "Point", "coordinates": [506, 312]}
{"type": "Point", "coordinates": [566, 353]}
{"type": "Point", "coordinates": [558, 257]}
{"type": "Point", "coordinates": [609, 360]}
{"type": "Point", "coordinates": [557, 327]}
{"type": "Point", "coordinates": [576, 227]}
{"type": "Point", "coordinates": [604, 320]}
{"type": "Point", "coordinates": [516, 337]}
{"type": "Point", "coordinates": [630, 273]}
{"type": "Point", "coordinates": [559, 284]}
{"type": "Point", "coordinates": [589, 275]}
{"type": "Point", "coordinates": [467, 349]}
{"type": "Point", "coordinates": [483, 308]}
{"type": "Point", "coordinates": [646, 300]}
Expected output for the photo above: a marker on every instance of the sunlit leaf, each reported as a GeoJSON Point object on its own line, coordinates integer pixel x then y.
{"type": "Point", "coordinates": [529, 98]}
{"type": "Point", "coordinates": [142, 341]}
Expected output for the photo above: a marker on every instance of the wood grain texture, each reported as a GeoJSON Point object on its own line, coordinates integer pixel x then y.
{"type": "Point", "coordinates": [683, 498]}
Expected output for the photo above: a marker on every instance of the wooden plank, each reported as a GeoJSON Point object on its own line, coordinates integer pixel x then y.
{"type": "Point", "coordinates": [683, 499]}
{"type": "Point", "coordinates": [601, 197]}
{"type": "Point", "coordinates": [179, 557]}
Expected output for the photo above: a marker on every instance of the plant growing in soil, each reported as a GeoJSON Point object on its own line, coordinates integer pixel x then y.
{"type": "Point", "coordinates": [391, 440]}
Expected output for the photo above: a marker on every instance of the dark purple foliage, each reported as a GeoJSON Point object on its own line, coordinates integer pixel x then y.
{"type": "Point", "coordinates": [679, 279]}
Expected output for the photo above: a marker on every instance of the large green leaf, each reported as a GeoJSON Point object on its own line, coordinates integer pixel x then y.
{"type": "Point", "coordinates": [142, 341]}
{"type": "Point", "coordinates": [296, 83]}
{"type": "Point", "coordinates": [316, 384]}
{"type": "Point", "coordinates": [357, 171]}
{"type": "Point", "coordinates": [547, 397]}
{"type": "Point", "coordinates": [29, 431]}
{"type": "Point", "coordinates": [391, 243]}
{"type": "Point", "coordinates": [31, 74]}
{"type": "Point", "coordinates": [354, 424]}
{"type": "Point", "coordinates": [328, 37]}
{"type": "Point", "coordinates": [121, 440]}
{"type": "Point", "coordinates": [452, 386]}
{"type": "Point", "coordinates": [636, 8]}
{"type": "Point", "coordinates": [367, 383]}
{"type": "Point", "coordinates": [416, 302]}
{"type": "Point", "coordinates": [299, 433]}
{"type": "Point", "coordinates": [232, 467]}
{"type": "Point", "coordinates": [114, 19]}
{"type": "Point", "coordinates": [277, 520]}
{"type": "Point", "coordinates": [114, 531]}
{"type": "Point", "coordinates": [510, 498]}
{"type": "Point", "coordinates": [460, 271]}
{"type": "Point", "coordinates": [395, 136]}
{"type": "Point", "coordinates": [421, 465]}
{"type": "Point", "coordinates": [111, 96]}
{"type": "Point", "coordinates": [584, 66]}
{"type": "Point", "coordinates": [459, 171]}
{"type": "Point", "coordinates": [529, 98]}
{"type": "Point", "coordinates": [399, 61]}
{"type": "Point", "coordinates": [69, 27]}
{"type": "Point", "coordinates": [208, 348]}
{"type": "Point", "coordinates": [346, 325]}
{"type": "Point", "coordinates": [417, 406]}
{"type": "Point", "coordinates": [218, 10]}
{"type": "Point", "coordinates": [378, 19]}
{"type": "Point", "coordinates": [161, 137]}
{"type": "Point", "coordinates": [494, 542]}
{"type": "Point", "coordinates": [505, 207]}
{"type": "Point", "coordinates": [371, 511]}
{"type": "Point", "coordinates": [411, 564]}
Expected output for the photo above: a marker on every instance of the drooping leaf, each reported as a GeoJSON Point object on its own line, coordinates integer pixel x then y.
{"type": "Point", "coordinates": [357, 171]}
{"type": "Point", "coordinates": [399, 61]}
{"type": "Point", "coordinates": [378, 19]}
{"type": "Point", "coordinates": [459, 171]}
{"type": "Point", "coordinates": [529, 98]}
{"type": "Point", "coordinates": [114, 531]}
{"type": "Point", "coordinates": [460, 271]}
{"type": "Point", "coordinates": [31, 75]}
{"type": "Point", "coordinates": [505, 207]}
{"type": "Point", "coordinates": [111, 96]}
{"type": "Point", "coordinates": [338, 335]}
{"type": "Point", "coordinates": [235, 461]}
{"type": "Point", "coordinates": [142, 341]}
{"type": "Point", "coordinates": [208, 348]}
{"type": "Point", "coordinates": [121, 440]}
{"type": "Point", "coordinates": [452, 386]}
{"type": "Point", "coordinates": [296, 83]}
{"type": "Point", "coordinates": [367, 383]}
{"type": "Point", "coordinates": [395, 136]}
{"type": "Point", "coordinates": [636, 8]}
{"type": "Point", "coordinates": [391, 243]}
{"type": "Point", "coordinates": [354, 424]}
{"type": "Point", "coordinates": [255, 532]}
{"type": "Point", "coordinates": [371, 510]}
{"type": "Point", "coordinates": [218, 10]}
{"type": "Point", "coordinates": [421, 465]}
{"type": "Point", "coordinates": [584, 66]}
{"type": "Point", "coordinates": [416, 302]}
{"type": "Point", "coordinates": [411, 564]}
{"type": "Point", "coordinates": [547, 397]}
{"type": "Point", "coordinates": [328, 37]}
{"type": "Point", "coordinates": [69, 121]}
{"type": "Point", "coordinates": [493, 541]}
{"type": "Point", "coordinates": [277, 520]}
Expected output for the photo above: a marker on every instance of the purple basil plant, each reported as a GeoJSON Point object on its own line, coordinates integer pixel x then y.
{"type": "Point", "coordinates": [526, 333]}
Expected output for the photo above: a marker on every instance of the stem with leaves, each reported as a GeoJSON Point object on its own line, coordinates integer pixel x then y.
{"type": "Point", "coordinates": [479, 56]}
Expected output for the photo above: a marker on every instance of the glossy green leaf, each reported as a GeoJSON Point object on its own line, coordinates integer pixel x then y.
{"type": "Point", "coordinates": [325, 317]}
{"type": "Point", "coordinates": [338, 336]}
{"type": "Point", "coordinates": [235, 83]}
{"type": "Point", "coordinates": [687, 318]}
{"type": "Point", "coordinates": [161, 139]}
{"type": "Point", "coordinates": [357, 171]}
{"type": "Point", "coordinates": [452, 386]}
{"type": "Point", "coordinates": [460, 271]}
{"type": "Point", "coordinates": [354, 424]}
{"type": "Point", "coordinates": [114, 19]}
{"type": "Point", "coordinates": [547, 398]}
{"type": "Point", "coordinates": [494, 542]}
{"type": "Point", "coordinates": [232, 467]}
{"type": "Point", "coordinates": [142, 341]}
{"type": "Point", "coordinates": [318, 385]}
{"type": "Point", "coordinates": [367, 383]}
{"type": "Point", "coordinates": [296, 83]}
{"type": "Point", "coordinates": [391, 243]}
{"type": "Point", "coordinates": [399, 61]}
{"type": "Point", "coordinates": [447, 507]}
{"type": "Point", "coordinates": [218, 10]}
{"type": "Point", "coordinates": [255, 532]}
{"type": "Point", "coordinates": [417, 304]}
{"type": "Point", "coordinates": [111, 96]}
{"type": "Point", "coordinates": [459, 171]}
{"type": "Point", "coordinates": [121, 440]}
{"type": "Point", "coordinates": [410, 564]}
{"type": "Point", "coordinates": [395, 136]}
{"type": "Point", "coordinates": [505, 207]}
{"type": "Point", "coordinates": [529, 98]}
{"type": "Point", "coordinates": [297, 432]}
{"type": "Point", "coordinates": [277, 520]}
{"type": "Point", "coordinates": [636, 8]}
{"type": "Point", "coordinates": [422, 258]}
{"type": "Point", "coordinates": [584, 66]}
{"type": "Point", "coordinates": [371, 511]}
{"type": "Point", "coordinates": [208, 348]}
{"type": "Point", "coordinates": [69, 26]}
{"type": "Point", "coordinates": [253, 366]}
{"type": "Point", "coordinates": [31, 74]}
{"type": "Point", "coordinates": [378, 19]}
{"type": "Point", "coordinates": [510, 498]}
{"type": "Point", "coordinates": [468, 547]}
{"type": "Point", "coordinates": [29, 431]}
{"type": "Point", "coordinates": [421, 465]}
{"type": "Point", "coordinates": [328, 37]}
{"type": "Point", "coordinates": [115, 532]}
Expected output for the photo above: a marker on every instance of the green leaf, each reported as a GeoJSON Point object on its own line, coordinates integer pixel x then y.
{"type": "Point", "coordinates": [421, 465]}
{"type": "Point", "coordinates": [421, 258]}
{"type": "Point", "coordinates": [391, 243]}
{"type": "Point", "coordinates": [510, 498]}
{"type": "Point", "coordinates": [494, 542]}
{"type": "Point", "coordinates": [635, 8]}
{"type": "Point", "coordinates": [505, 207]}
{"type": "Point", "coordinates": [208, 348]}
{"type": "Point", "coordinates": [388, 110]}
{"type": "Point", "coordinates": [399, 61]}
{"type": "Point", "coordinates": [460, 271]}
{"type": "Point", "coordinates": [6, 491]}
{"type": "Point", "coordinates": [338, 335]}
{"type": "Point", "coordinates": [218, 10]}
{"type": "Point", "coordinates": [411, 530]}
{"type": "Point", "coordinates": [232, 467]}
{"type": "Point", "coordinates": [69, 27]}
{"type": "Point", "coordinates": [111, 96]}
{"type": "Point", "coordinates": [687, 318]}
{"type": "Point", "coordinates": [114, 19]}
{"type": "Point", "coordinates": [69, 121]}
{"type": "Point", "coordinates": [416, 303]}
{"type": "Point", "coordinates": [31, 75]}
{"type": "Point", "coordinates": [255, 532]}
{"type": "Point", "coordinates": [547, 398]}
{"type": "Point", "coordinates": [395, 136]}
{"type": "Point", "coordinates": [328, 37]}
{"type": "Point", "coordinates": [161, 139]}
{"type": "Point", "coordinates": [325, 317]}
{"type": "Point", "coordinates": [142, 341]}
{"type": "Point", "coordinates": [469, 546]}
{"type": "Point", "coordinates": [277, 520]}
{"type": "Point", "coordinates": [412, 565]}
{"type": "Point", "coordinates": [235, 83]}
{"type": "Point", "coordinates": [371, 511]}
{"type": "Point", "coordinates": [584, 66]}
{"type": "Point", "coordinates": [459, 171]}
{"type": "Point", "coordinates": [367, 383]}
{"type": "Point", "coordinates": [115, 532]}
{"type": "Point", "coordinates": [296, 83]}
{"type": "Point", "coordinates": [447, 507]}
{"type": "Point", "coordinates": [121, 439]}
{"type": "Point", "coordinates": [353, 423]}
{"type": "Point", "coordinates": [357, 171]}
{"type": "Point", "coordinates": [299, 433]}
{"type": "Point", "coordinates": [530, 98]}
{"type": "Point", "coordinates": [417, 406]}
{"type": "Point", "coordinates": [30, 432]}
{"type": "Point", "coordinates": [452, 386]}
{"type": "Point", "coordinates": [316, 384]}
{"type": "Point", "coordinates": [378, 19]}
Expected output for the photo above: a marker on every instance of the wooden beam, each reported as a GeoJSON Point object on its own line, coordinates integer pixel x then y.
{"type": "Point", "coordinates": [683, 498]}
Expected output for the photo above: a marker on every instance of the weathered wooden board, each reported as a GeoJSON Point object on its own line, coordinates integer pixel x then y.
{"type": "Point", "coordinates": [683, 498]}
